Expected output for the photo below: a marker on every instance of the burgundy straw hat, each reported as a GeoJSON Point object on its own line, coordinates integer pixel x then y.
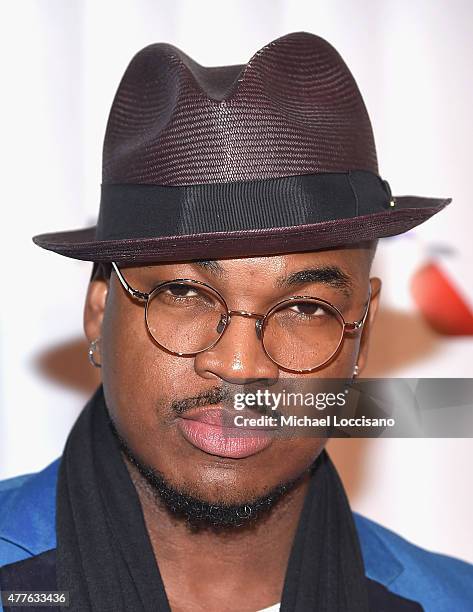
{"type": "Point", "coordinates": [274, 156]}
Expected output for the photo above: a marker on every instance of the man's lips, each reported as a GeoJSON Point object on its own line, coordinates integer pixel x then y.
{"type": "Point", "coordinates": [212, 430]}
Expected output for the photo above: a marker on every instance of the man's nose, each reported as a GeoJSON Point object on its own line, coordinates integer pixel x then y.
{"type": "Point", "coordinates": [238, 357]}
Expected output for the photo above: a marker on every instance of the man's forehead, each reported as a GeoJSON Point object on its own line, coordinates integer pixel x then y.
{"type": "Point", "coordinates": [348, 259]}
{"type": "Point", "coordinates": [338, 269]}
{"type": "Point", "coordinates": [276, 266]}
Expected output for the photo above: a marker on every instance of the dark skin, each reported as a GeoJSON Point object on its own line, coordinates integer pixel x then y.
{"type": "Point", "coordinates": [205, 570]}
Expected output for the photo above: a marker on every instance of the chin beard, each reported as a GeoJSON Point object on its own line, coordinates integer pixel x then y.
{"type": "Point", "coordinates": [200, 514]}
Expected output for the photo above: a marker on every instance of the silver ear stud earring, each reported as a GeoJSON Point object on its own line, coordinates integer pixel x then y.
{"type": "Point", "coordinates": [356, 370]}
{"type": "Point", "coordinates": [92, 348]}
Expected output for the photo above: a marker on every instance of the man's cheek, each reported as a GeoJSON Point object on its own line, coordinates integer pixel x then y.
{"type": "Point", "coordinates": [143, 396]}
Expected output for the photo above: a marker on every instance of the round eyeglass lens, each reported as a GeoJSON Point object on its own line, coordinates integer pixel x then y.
{"type": "Point", "coordinates": [185, 317]}
{"type": "Point", "coordinates": [302, 334]}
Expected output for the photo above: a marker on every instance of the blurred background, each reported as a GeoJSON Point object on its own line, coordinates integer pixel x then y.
{"type": "Point", "coordinates": [61, 64]}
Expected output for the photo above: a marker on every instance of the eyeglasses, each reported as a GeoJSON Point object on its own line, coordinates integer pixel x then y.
{"type": "Point", "coordinates": [300, 334]}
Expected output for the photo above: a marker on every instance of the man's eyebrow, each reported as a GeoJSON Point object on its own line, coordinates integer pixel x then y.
{"type": "Point", "coordinates": [326, 275]}
{"type": "Point", "coordinates": [211, 265]}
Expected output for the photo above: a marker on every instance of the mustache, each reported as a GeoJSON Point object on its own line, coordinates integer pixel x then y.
{"type": "Point", "coordinates": [218, 395]}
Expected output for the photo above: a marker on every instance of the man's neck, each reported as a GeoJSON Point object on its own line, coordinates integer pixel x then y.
{"type": "Point", "coordinates": [241, 569]}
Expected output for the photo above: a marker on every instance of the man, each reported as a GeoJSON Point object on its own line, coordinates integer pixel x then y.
{"type": "Point", "coordinates": [240, 212]}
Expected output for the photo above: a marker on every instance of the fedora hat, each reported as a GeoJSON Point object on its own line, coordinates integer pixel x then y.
{"type": "Point", "coordinates": [273, 156]}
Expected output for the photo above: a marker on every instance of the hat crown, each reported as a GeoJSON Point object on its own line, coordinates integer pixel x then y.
{"type": "Point", "coordinates": [293, 109]}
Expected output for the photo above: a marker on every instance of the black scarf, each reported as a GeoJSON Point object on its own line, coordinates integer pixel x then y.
{"type": "Point", "coordinates": [104, 555]}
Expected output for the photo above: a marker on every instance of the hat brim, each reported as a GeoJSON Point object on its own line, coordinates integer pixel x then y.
{"type": "Point", "coordinates": [82, 244]}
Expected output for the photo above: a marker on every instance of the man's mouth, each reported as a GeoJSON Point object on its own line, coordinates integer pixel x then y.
{"type": "Point", "coordinates": [217, 430]}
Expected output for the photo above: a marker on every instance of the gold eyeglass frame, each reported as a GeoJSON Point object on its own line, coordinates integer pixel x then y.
{"type": "Point", "coordinates": [260, 323]}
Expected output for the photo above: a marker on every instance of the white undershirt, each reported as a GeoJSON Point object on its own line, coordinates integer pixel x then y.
{"type": "Point", "coordinates": [274, 608]}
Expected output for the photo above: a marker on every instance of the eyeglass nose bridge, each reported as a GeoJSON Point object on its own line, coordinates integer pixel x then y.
{"type": "Point", "coordinates": [225, 320]}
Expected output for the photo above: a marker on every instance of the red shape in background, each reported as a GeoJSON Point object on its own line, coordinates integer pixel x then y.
{"type": "Point", "coordinates": [440, 303]}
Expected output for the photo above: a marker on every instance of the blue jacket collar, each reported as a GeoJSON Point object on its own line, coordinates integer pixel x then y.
{"type": "Point", "coordinates": [29, 510]}
{"type": "Point", "coordinates": [380, 563]}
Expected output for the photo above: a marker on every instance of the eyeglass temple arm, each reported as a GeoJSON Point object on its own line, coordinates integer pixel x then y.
{"type": "Point", "coordinates": [139, 295]}
{"type": "Point", "coordinates": [359, 324]}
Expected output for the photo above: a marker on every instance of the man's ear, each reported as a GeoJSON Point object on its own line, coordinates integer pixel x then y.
{"type": "Point", "coordinates": [365, 336]}
{"type": "Point", "coordinates": [94, 308]}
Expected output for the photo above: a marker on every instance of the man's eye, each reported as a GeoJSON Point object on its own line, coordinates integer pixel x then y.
{"type": "Point", "coordinates": [307, 308]}
{"type": "Point", "coordinates": [178, 290]}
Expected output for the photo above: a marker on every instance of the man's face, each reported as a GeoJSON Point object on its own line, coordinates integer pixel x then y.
{"type": "Point", "coordinates": [142, 382]}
